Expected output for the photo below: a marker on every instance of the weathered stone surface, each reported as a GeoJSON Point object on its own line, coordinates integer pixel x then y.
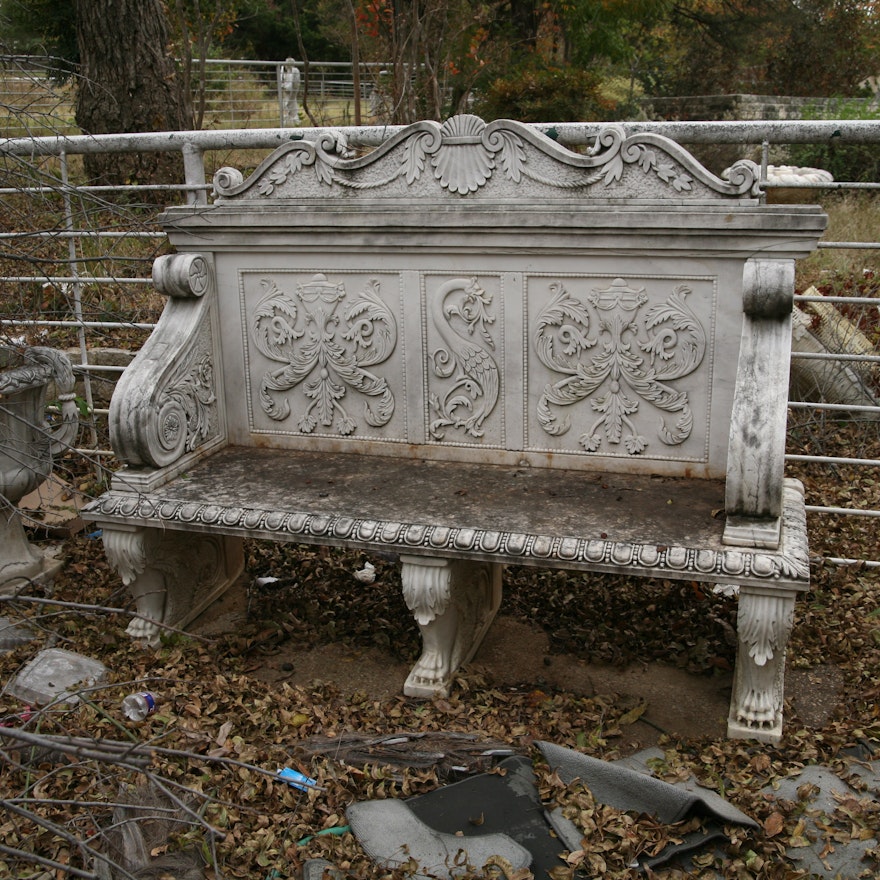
{"type": "Point", "coordinates": [27, 446]}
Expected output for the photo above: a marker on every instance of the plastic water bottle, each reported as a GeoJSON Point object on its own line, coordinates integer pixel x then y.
{"type": "Point", "coordinates": [136, 707]}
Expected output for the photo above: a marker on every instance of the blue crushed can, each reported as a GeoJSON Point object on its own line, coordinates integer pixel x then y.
{"type": "Point", "coordinates": [295, 779]}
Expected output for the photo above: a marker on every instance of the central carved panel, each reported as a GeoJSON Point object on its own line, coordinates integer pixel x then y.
{"type": "Point", "coordinates": [620, 366]}
{"type": "Point", "coordinates": [462, 318]}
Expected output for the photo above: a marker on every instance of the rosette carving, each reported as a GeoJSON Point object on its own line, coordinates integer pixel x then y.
{"type": "Point", "coordinates": [182, 275]}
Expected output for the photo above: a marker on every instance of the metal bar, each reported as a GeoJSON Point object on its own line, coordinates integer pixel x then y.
{"type": "Point", "coordinates": [862, 563]}
{"type": "Point", "coordinates": [781, 132]}
{"type": "Point", "coordinates": [841, 407]}
{"type": "Point", "coordinates": [851, 245]}
{"type": "Point", "coordinates": [73, 279]}
{"type": "Point", "coordinates": [829, 356]}
{"type": "Point", "coordinates": [81, 233]}
{"type": "Point", "coordinates": [76, 287]}
{"type": "Point", "coordinates": [110, 325]}
{"type": "Point", "coordinates": [841, 511]}
{"type": "Point", "coordinates": [194, 172]}
{"type": "Point", "coordinates": [831, 459]}
{"type": "Point", "coordinates": [841, 184]}
{"type": "Point", "coordinates": [853, 300]}
{"type": "Point", "coordinates": [97, 368]}
{"type": "Point", "coordinates": [122, 187]}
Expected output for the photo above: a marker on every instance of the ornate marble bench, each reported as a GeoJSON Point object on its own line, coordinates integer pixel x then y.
{"type": "Point", "coordinates": [473, 347]}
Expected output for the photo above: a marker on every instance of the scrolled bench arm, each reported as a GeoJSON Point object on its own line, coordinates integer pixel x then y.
{"type": "Point", "coordinates": [166, 405]}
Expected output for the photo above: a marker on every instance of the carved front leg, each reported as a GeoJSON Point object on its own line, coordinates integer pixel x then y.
{"type": "Point", "coordinates": [453, 602]}
{"type": "Point", "coordinates": [173, 576]}
{"type": "Point", "coordinates": [764, 622]}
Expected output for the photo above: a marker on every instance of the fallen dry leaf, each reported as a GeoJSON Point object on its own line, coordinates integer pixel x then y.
{"type": "Point", "coordinates": [774, 824]}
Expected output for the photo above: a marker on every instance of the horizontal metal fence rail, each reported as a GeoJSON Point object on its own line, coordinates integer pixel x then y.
{"type": "Point", "coordinates": [46, 161]}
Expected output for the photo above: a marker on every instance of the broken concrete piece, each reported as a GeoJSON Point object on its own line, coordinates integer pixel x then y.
{"type": "Point", "coordinates": [13, 633]}
{"type": "Point", "coordinates": [820, 329]}
{"type": "Point", "coordinates": [53, 675]}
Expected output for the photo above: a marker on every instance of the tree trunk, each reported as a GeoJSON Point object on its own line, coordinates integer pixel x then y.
{"type": "Point", "coordinates": [128, 83]}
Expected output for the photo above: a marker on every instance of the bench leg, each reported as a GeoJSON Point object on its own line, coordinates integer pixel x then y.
{"type": "Point", "coordinates": [453, 602]}
{"type": "Point", "coordinates": [173, 576]}
{"type": "Point", "coordinates": [764, 622]}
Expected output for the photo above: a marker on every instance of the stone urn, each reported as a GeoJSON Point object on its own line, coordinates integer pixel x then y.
{"type": "Point", "coordinates": [28, 445]}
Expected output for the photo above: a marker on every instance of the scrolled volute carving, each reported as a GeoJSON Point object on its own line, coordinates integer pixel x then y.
{"type": "Point", "coordinates": [463, 359]}
{"type": "Point", "coordinates": [184, 413]}
{"type": "Point", "coordinates": [744, 175]}
{"type": "Point", "coordinates": [227, 178]}
{"type": "Point", "coordinates": [768, 289]}
{"type": "Point", "coordinates": [182, 275]}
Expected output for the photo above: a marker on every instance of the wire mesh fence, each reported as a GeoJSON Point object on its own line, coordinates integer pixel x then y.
{"type": "Point", "coordinates": [37, 95]}
{"type": "Point", "coordinates": [75, 275]}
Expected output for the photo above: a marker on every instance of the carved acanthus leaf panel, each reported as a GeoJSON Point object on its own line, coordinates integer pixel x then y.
{"type": "Point", "coordinates": [325, 337]}
{"type": "Point", "coordinates": [187, 405]}
{"type": "Point", "coordinates": [620, 353]}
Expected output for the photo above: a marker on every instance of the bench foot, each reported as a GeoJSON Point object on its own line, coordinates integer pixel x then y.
{"type": "Point", "coordinates": [453, 602]}
{"type": "Point", "coordinates": [173, 576]}
{"type": "Point", "coordinates": [764, 623]}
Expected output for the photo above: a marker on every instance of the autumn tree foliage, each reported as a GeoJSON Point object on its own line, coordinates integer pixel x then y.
{"type": "Point", "coordinates": [784, 47]}
{"type": "Point", "coordinates": [427, 49]}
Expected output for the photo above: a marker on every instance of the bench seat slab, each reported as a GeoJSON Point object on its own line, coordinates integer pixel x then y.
{"type": "Point", "coordinates": [455, 524]}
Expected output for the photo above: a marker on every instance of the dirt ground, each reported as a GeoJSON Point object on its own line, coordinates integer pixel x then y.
{"type": "Point", "coordinates": [515, 654]}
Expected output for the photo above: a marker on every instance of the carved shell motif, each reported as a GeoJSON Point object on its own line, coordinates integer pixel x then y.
{"type": "Point", "coordinates": [463, 163]}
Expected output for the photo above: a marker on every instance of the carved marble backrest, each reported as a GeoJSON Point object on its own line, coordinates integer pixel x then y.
{"type": "Point", "coordinates": [478, 292]}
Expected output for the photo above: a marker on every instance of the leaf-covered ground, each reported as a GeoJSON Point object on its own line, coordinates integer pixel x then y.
{"type": "Point", "coordinates": [219, 734]}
